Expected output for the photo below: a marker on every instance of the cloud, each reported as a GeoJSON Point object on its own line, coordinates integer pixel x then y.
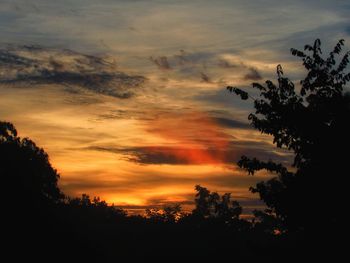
{"type": "Point", "coordinates": [187, 64]}
{"type": "Point", "coordinates": [222, 63]}
{"type": "Point", "coordinates": [126, 115]}
{"type": "Point", "coordinates": [192, 138]}
{"type": "Point", "coordinates": [177, 155]}
{"type": "Point", "coordinates": [36, 65]}
{"type": "Point", "coordinates": [211, 67]}
{"type": "Point", "coordinates": [231, 123]}
{"type": "Point", "coordinates": [162, 62]}
{"type": "Point", "coordinates": [12, 60]}
{"type": "Point", "coordinates": [222, 119]}
{"type": "Point", "coordinates": [253, 74]}
{"type": "Point", "coordinates": [205, 78]}
{"type": "Point", "coordinates": [182, 58]}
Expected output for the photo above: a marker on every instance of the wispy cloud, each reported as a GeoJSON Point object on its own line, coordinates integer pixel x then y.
{"type": "Point", "coordinates": [157, 155]}
{"type": "Point", "coordinates": [202, 139]}
{"type": "Point", "coordinates": [205, 77]}
{"type": "Point", "coordinates": [161, 62]}
{"type": "Point", "coordinates": [253, 74]}
{"type": "Point", "coordinates": [226, 64]}
{"type": "Point", "coordinates": [232, 123]}
{"type": "Point", "coordinates": [37, 65]}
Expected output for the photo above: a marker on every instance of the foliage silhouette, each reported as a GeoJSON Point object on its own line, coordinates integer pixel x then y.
{"type": "Point", "coordinates": [95, 209]}
{"type": "Point", "coordinates": [27, 174]}
{"type": "Point", "coordinates": [42, 219]}
{"type": "Point", "coordinates": [90, 229]}
{"type": "Point", "coordinates": [312, 121]}
{"type": "Point", "coordinates": [212, 205]}
{"type": "Point", "coordinates": [168, 214]}
{"type": "Point", "coordinates": [30, 214]}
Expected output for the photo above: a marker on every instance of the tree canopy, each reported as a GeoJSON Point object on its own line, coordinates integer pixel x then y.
{"type": "Point", "coordinates": [312, 120]}
{"type": "Point", "coordinates": [26, 173]}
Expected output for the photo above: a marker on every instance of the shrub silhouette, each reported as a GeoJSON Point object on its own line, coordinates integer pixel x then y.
{"type": "Point", "coordinates": [312, 121]}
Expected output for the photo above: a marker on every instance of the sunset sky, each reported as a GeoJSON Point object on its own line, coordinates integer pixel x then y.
{"type": "Point", "coordinates": [129, 99]}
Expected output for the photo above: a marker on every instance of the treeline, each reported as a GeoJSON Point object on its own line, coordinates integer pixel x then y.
{"type": "Point", "coordinates": [43, 223]}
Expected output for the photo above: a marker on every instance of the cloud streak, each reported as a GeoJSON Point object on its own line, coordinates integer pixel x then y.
{"type": "Point", "coordinates": [161, 62]}
{"type": "Point", "coordinates": [253, 74]}
{"type": "Point", "coordinates": [201, 139]}
{"type": "Point", "coordinates": [158, 155]}
{"type": "Point", "coordinates": [32, 65]}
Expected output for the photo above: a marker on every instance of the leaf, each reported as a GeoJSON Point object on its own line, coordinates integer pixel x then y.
{"type": "Point", "coordinates": [297, 53]}
{"type": "Point", "coordinates": [308, 47]}
{"type": "Point", "coordinates": [317, 46]}
{"type": "Point", "coordinates": [279, 70]}
{"type": "Point", "coordinates": [258, 86]}
{"type": "Point", "coordinates": [244, 95]}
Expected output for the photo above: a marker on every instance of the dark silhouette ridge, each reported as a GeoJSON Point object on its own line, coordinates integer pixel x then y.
{"type": "Point", "coordinates": [304, 218]}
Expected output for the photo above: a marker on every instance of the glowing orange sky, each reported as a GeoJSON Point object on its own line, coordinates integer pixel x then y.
{"type": "Point", "coordinates": [132, 160]}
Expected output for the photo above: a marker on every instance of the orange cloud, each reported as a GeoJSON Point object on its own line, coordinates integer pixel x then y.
{"type": "Point", "coordinates": [197, 138]}
{"type": "Point", "coordinates": [176, 155]}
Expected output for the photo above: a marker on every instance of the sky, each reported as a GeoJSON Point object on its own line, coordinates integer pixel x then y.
{"type": "Point", "coordinates": [129, 98]}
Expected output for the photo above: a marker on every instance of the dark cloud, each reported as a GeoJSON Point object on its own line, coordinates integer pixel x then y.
{"type": "Point", "coordinates": [117, 115]}
{"type": "Point", "coordinates": [176, 155]}
{"type": "Point", "coordinates": [151, 154]}
{"type": "Point", "coordinates": [182, 57]}
{"type": "Point", "coordinates": [122, 114]}
{"type": "Point", "coordinates": [216, 116]}
{"type": "Point", "coordinates": [231, 123]}
{"type": "Point", "coordinates": [191, 64]}
{"type": "Point", "coordinates": [37, 65]}
{"type": "Point", "coordinates": [225, 64]}
{"type": "Point", "coordinates": [205, 78]}
{"type": "Point", "coordinates": [161, 62]}
{"type": "Point", "coordinates": [12, 60]}
{"type": "Point", "coordinates": [192, 58]}
{"type": "Point", "coordinates": [186, 63]}
{"type": "Point", "coordinates": [253, 74]}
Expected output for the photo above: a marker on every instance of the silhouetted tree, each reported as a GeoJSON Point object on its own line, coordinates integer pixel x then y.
{"type": "Point", "coordinates": [267, 222]}
{"type": "Point", "coordinates": [228, 209]}
{"type": "Point", "coordinates": [31, 200]}
{"type": "Point", "coordinates": [202, 201]}
{"type": "Point", "coordinates": [93, 210]}
{"type": "Point", "coordinates": [168, 214]}
{"type": "Point", "coordinates": [26, 173]}
{"type": "Point", "coordinates": [312, 121]}
{"type": "Point", "coordinates": [212, 205]}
